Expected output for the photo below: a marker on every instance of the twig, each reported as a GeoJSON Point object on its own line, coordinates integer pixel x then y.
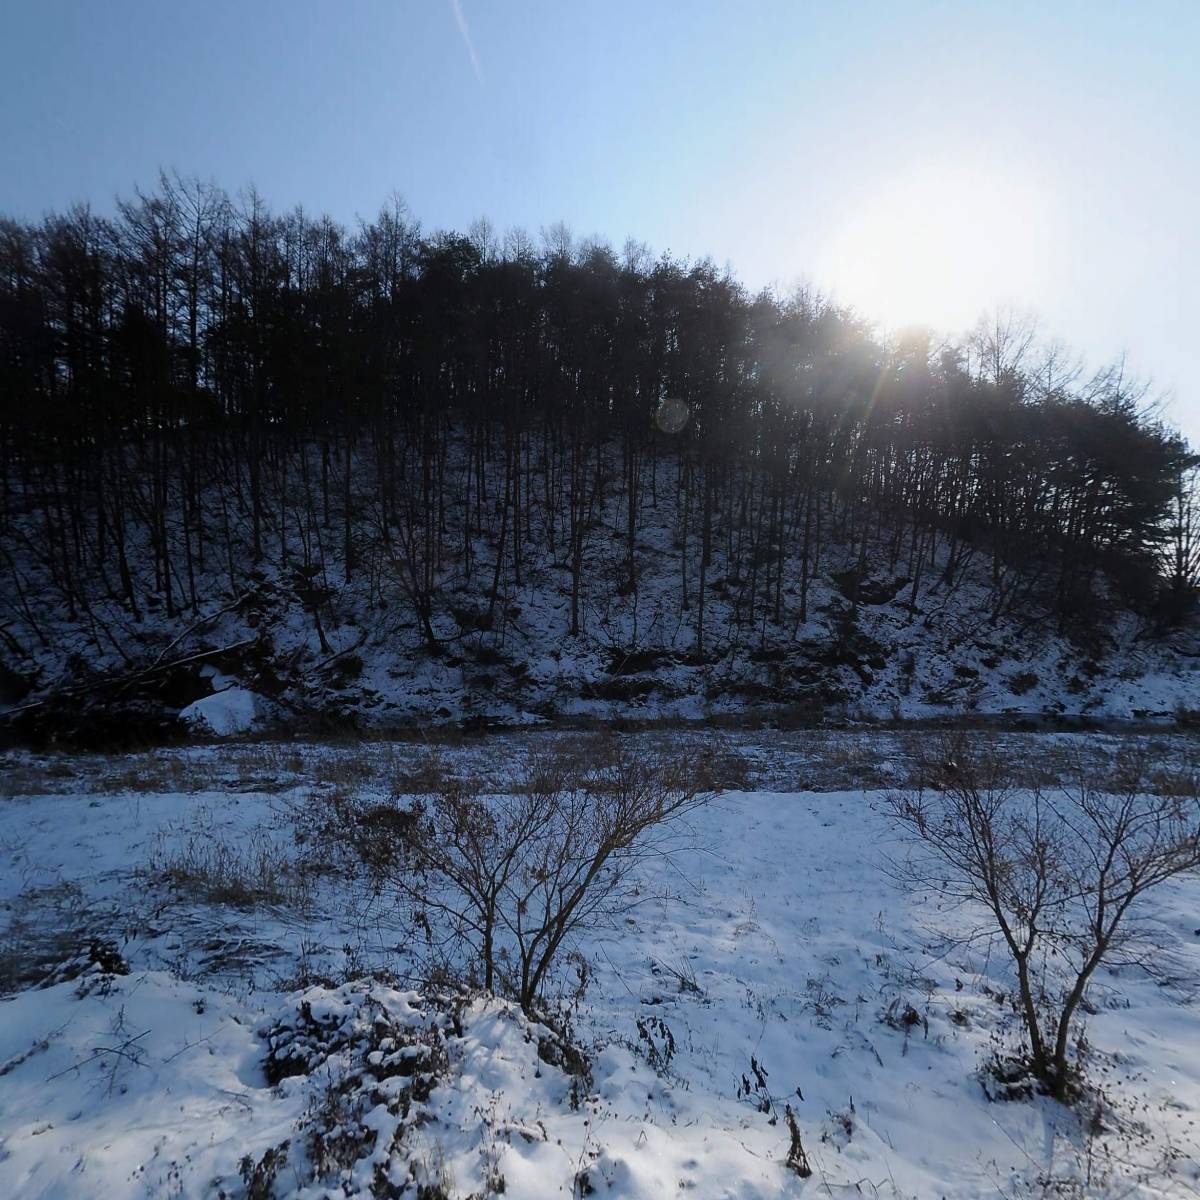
{"type": "Point", "coordinates": [186, 1047]}
{"type": "Point", "coordinates": [122, 1051]}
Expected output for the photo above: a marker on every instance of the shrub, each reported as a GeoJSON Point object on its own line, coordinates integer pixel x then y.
{"type": "Point", "coordinates": [1022, 682]}
{"type": "Point", "coordinates": [513, 876]}
{"type": "Point", "coordinates": [1061, 876]}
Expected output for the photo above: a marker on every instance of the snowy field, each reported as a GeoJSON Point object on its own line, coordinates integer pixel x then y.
{"type": "Point", "coordinates": [252, 1020]}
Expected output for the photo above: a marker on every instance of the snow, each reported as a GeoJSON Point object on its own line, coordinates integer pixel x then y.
{"type": "Point", "coordinates": [82, 1122]}
{"type": "Point", "coordinates": [232, 710]}
{"type": "Point", "coordinates": [778, 937]}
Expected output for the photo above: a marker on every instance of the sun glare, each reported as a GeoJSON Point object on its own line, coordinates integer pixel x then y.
{"type": "Point", "coordinates": [939, 247]}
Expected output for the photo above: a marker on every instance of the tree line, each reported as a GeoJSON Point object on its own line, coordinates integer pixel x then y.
{"type": "Point", "coordinates": [195, 387]}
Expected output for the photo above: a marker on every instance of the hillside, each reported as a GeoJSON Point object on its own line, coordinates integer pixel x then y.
{"type": "Point", "coordinates": [318, 651]}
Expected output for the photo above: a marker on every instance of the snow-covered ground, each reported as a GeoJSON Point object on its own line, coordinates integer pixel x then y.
{"type": "Point", "coordinates": [764, 970]}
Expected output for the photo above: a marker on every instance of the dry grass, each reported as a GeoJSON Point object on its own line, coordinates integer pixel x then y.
{"type": "Point", "coordinates": [784, 760]}
{"type": "Point", "coordinates": [255, 870]}
{"type": "Point", "coordinates": [44, 927]}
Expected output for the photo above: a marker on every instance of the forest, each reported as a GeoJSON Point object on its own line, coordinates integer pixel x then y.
{"type": "Point", "coordinates": [196, 390]}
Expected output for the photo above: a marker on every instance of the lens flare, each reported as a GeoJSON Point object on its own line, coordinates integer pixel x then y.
{"type": "Point", "coordinates": [672, 414]}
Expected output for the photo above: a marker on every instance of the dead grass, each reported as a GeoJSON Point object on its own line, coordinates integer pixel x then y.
{"type": "Point", "coordinates": [253, 871]}
{"type": "Point", "coordinates": [44, 927]}
{"type": "Point", "coordinates": [778, 759]}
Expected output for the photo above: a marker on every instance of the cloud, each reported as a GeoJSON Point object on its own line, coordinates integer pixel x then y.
{"type": "Point", "coordinates": [465, 30]}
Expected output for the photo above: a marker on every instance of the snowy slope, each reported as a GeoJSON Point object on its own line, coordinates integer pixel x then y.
{"type": "Point", "coordinates": [936, 650]}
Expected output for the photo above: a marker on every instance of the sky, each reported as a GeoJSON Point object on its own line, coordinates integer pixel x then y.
{"type": "Point", "coordinates": [923, 161]}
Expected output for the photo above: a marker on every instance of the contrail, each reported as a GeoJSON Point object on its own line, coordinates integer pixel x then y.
{"type": "Point", "coordinates": [464, 29]}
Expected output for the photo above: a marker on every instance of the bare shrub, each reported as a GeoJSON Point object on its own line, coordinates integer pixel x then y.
{"type": "Point", "coordinates": [1060, 874]}
{"type": "Point", "coordinates": [1022, 682]}
{"type": "Point", "coordinates": [656, 1042]}
{"type": "Point", "coordinates": [259, 1177]}
{"type": "Point", "coordinates": [420, 775]}
{"type": "Point", "coordinates": [514, 875]}
{"type": "Point", "coordinates": [370, 1059]}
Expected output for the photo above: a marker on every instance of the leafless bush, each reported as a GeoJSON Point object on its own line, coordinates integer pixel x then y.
{"type": "Point", "coordinates": [514, 875]}
{"type": "Point", "coordinates": [1061, 875]}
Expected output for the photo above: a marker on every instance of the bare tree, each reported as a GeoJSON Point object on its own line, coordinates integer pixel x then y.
{"type": "Point", "coordinates": [1001, 344]}
{"type": "Point", "coordinates": [1060, 875]}
{"type": "Point", "coordinates": [1184, 545]}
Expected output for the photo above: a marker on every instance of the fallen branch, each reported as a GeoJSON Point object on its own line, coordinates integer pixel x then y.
{"type": "Point", "coordinates": [125, 680]}
{"type": "Point", "coordinates": [195, 626]}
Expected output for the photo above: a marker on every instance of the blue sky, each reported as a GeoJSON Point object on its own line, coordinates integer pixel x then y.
{"type": "Point", "coordinates": [919, 159]}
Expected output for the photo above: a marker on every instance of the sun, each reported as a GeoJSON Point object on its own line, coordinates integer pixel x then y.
{"type": "Point", "coordinates": [939, 247]}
